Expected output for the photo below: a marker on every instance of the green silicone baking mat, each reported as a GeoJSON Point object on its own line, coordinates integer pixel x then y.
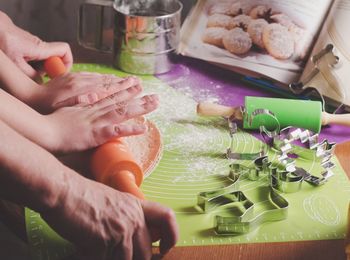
{"type": "Point", "coordinates": [193, 161]}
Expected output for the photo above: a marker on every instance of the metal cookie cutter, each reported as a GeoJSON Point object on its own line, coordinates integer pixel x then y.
{"type": "Point", "coordinates": [281, 180]}
{"type": "Point", "coordinates": [322, 152]}
{"type": "Point", "coordinates": [210, 200]}
{"type": "Point", "coordinates": [323, 62]}
{"type": "Point", "coordinates": [242, 209]}
{"type": "Point", "coordinates": [230, 225]}
{"type": "Point", "coordinates": [285, 181]}
{"type": "Point", "coordinates": [241, 156]}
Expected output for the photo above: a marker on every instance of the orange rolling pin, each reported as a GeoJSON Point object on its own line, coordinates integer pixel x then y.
{"type": "Point", "coordinates": [111, 163]}
{"type": "Point", "coordinates": [54, 67]}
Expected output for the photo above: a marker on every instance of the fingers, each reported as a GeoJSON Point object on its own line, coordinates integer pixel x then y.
{"type": "Point", "coordinates": [123, 84]}
{"type": "Point", "coordinates": [163, 220]}
{"type": "Point", "coordinates": [106, 133]}
{"type": "Point", "coordinates": [107, 124]}
{"type": "Point", "coordinates": [26, 68]}
{"type": "Point", "coordinates": [84, 99]}
{"type": "Point", "coordinates": [114, 91]}
{"type": "Point", "coordinates": [89, 88]}
{"type": "Point", "coordinates": [105, 112]}
{"type": "Point", "coordinates": [142, 244]}
{"type": "Point", "coordinates": [122, 90]}
{"type": "Point", "coordinates": [60, 49]}
{"type": "Point", "coordinates": [123, 250]}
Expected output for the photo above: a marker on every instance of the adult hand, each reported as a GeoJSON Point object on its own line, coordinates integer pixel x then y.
{"type": "Point", "coordinates": [78, 128]}
{"type": "Point", "coordinates": [104, 223]}
{"type": "Point", "coordinates": [22, 47]}
{"type": "Point", "coordinates": [82, 88]}
{"type": "Point", "coordinates": [161, 220]}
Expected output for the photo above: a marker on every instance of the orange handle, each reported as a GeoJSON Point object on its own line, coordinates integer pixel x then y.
{"type": "Point", "coordinates": [54, 67]}
{"type": "Point", "coordinates": [113, 164]}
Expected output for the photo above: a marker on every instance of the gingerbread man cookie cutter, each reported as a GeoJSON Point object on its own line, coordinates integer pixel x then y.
{"type": "Point", "coordinates": [324, 61]}
{"type": "Point", "coordinates": [243, 218]}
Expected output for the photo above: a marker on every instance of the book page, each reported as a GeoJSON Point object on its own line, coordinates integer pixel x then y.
{"type": "Point", "coordinates": [220, 31]}
{"type": "Point", "coordinates": [335, 31]}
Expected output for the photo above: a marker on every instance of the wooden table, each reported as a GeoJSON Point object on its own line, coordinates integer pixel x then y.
{"type": "Point", "coordinates": [324, 249]}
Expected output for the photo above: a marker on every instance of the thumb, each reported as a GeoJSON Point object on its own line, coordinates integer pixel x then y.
{"type": "Point", "coordinates": [27, 69]}
{"type": "Point", "coordinates": [60, 49]}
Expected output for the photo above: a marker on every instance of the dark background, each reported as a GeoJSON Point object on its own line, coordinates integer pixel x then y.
{"type": "Point", "coordinates": [52, 20]}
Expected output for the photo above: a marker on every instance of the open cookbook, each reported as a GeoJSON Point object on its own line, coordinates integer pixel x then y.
{"type": "Point", "coordinates": [306, 43]}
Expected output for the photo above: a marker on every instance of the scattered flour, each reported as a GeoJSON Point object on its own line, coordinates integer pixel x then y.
{"type": "Point", "coordinates": [197, 142]}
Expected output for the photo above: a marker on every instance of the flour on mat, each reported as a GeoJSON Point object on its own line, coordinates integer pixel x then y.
{"type": "Point", "coordinates": [198, 141]}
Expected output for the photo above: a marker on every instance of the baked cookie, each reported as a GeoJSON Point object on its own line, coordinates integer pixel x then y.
{"type": "Point", "coordinates": [282, 19]}
{"type": "Point", "coordinates": [241, 21]}
{"type": "Point", "coordinates": [231, 9]}
{"type": "Point", "coordinates": [278, 41]}
{"type": "Point", "coordinates": [221, 20]}
{"type": "Point", "coordinates": [258, 11]}
{"type": "Point", "coordinates": [237, 41]}
{"type": "Point", "coordinates": [255, 31]}
{"type": "Point", "coordinates": [214, 35]}
{"type": "Point", "coordinates": [246, 6]}
{"type": "Point", "coordinates": [302, 38]}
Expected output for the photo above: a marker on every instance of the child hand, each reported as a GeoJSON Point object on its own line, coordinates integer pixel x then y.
{"type": "Point", "coordinates": [82, 127]}
{"type": "Point", "coordinates": [22, 47]}
{"type": "Point", "coordinates": [82, 88]}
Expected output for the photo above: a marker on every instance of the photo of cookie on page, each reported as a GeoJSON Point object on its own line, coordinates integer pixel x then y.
{"type": "Point", "coordinates": [242, 26]}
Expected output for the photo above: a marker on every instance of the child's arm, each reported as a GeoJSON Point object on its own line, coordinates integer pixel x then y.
{"type": "Point", "coordinates": [14, 81]}
{"type": "Point", "coordinates": [99, 220]}
{"type": "Point", "coordinates": [67, 90]}
{"type": "Point", "coordinates": [77, 128]}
